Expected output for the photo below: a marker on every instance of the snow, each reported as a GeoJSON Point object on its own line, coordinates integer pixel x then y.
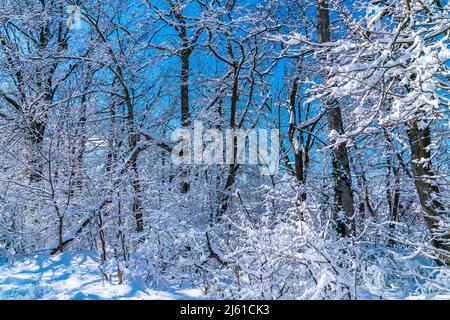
{"type": "Point", "coordinates": [75, 277]}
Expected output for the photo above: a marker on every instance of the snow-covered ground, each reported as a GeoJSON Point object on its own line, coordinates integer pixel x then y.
{"type": "Point", "coordinates": [75, 277]}
{"type": "Point", "coordinates": [78, 277]}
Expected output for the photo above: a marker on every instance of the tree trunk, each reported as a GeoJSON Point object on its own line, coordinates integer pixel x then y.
{"type": "Point", "coordinates": [428, 191]}
{"type": "Point", "coordinates": [392, 191]}
{"type": "Point", "coordinates": [36, 138]}
{"type": "Point", "coordinates": [80, 148]}
{"type": "Point", "coordinates": [184, 104]}
{"type": "Point", "coordinates": [297, 146]}
{"type": "Point", "coordinates": [137, 202]}
{"type": "Point", "coordinates": [343, 193]}
{"type": "Point", "coordinates": [225, 196]}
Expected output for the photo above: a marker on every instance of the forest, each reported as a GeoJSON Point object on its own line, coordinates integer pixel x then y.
{"type": "Point", "coordinates": [259, 149]}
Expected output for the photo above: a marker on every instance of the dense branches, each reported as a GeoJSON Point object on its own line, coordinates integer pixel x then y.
{"type": "Point", "coordinates": [357, 91]}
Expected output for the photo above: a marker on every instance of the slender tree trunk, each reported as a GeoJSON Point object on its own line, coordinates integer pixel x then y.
{"type": "Point", "coordinates": [101, 234]}
{"type": "Point", "coordinates": [137, 191]}
{"type": "Point", "coordinates": [80, 149]}
{"type": "Point", "coordinates": [392, 191]}
{"type": "Point", "coordinates": [184, 104]}
{"type": "Point", "coordinates": [225, 196]}
{"type": "Point", "coordinates": [427, 189]}
{"type": "Point", "coordinates": [296, 145]}
{"type": "Point", "coordinates": [343, 193]}
{"type": "Point", "coordinates": [36, 139]}
{"type": "Point", "coordinates": [60, 233]}
{"type": "Point", "coordinates": [137, 201]}
{"type": "Point", "coordinates": [133, 139]}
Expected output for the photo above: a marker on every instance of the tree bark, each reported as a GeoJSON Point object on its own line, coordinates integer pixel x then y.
{"type": "Point", "coordinates": [427, 189]}
{"type": "Point", "coordinates": [343, 193]}
{"type": "Point", "coordinates": [184, 105]}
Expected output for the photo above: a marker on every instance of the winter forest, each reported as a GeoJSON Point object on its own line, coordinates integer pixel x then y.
{"type": "Point", "coordinates": [344, 193]}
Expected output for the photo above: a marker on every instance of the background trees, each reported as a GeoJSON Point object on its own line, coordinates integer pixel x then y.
{"type": "Point", "coordinates": [359, 92]}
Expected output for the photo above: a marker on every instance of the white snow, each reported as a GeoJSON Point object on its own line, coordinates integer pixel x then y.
{"type": "Point", "coordinates": [74, 277]}
{"type": "Point", "coordinates": [77, 277]}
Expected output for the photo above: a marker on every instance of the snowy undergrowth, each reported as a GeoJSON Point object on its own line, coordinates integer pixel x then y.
{"type": "Point", "coordinates": [265, 251]}
{"type": "Point", "coordinates": [383, 274]}
{"type": "Point", "coordinates": [283, 263]}
{"type": "Point", "coordinates": [74, 277]}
